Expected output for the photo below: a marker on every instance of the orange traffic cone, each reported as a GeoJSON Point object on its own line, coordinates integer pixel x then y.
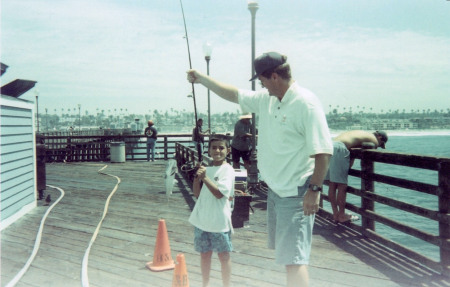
{"type": "Point", "coordinates": [162, 259]}
{"type": "Point", "coordinates": [180, 275]}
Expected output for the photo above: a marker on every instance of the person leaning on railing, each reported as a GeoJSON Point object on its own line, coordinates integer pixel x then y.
{"type": "Point", "coordinates": [340, 164]}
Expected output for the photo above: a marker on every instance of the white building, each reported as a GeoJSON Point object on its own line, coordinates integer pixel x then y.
{"type": "Point", "coordinates": [18, 180]}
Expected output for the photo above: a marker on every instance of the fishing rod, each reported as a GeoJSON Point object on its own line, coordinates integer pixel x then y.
{"type": "Point", "coordinates": [200, 155]}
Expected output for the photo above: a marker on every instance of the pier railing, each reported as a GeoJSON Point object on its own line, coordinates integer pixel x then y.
{"type": "Point", "coordinates": [97, 148]}
{"type": "Point", "coordinates": [368, 197]}
{"type": "Point", "coordinates": [69, 147]}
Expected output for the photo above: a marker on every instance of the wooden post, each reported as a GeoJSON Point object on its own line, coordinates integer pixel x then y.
{"type": "Point", "coordinates": [444, 209]}
{"type": "Point", "coordinates": [166, 150]}
{"type": "Point", "coordinates": [69, 152]}
{"type": "Point", "coordinates": [367, 169]}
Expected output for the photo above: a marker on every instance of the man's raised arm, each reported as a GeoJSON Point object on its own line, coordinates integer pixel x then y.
{"type": "Point", "coordinates": [227, 92]}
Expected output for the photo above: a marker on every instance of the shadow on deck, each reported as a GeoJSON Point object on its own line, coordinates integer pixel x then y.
{"type": "Point", "coordinates": [340, 256]}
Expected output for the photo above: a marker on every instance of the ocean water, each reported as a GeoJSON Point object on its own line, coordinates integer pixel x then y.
{"type": "Point", "coordinates": [431, 144]}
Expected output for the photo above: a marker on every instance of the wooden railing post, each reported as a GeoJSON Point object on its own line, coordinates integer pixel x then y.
{"type": "Point", "coordinates": [69, 149]}
{"type": "Point", "coordinates": [367, 185]}
{"type": "Point", "coordinates": [444, 209]}
{"type": "Point", "coordinates": [166, 148]}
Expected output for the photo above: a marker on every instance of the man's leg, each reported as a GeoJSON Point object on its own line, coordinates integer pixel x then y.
{"type": "Point", "coordinates": [341, 200]}
{"type": "Point", "coordinates": [291, 234]}
{"type": "Point", "coordinates": [152, 147]}
{"type": "Point", "coordinates": [247, 164]}
{"type": "Point", "coordinates": [246, 158]}
{"type": "Point", "coordinates": [297, 276]}
{"type": "Point", "coordinates": [235, 156]}
{"type": "Point", "coordinates": [148, 151]}
{"type": "Point", "coordinates": [333, 199]}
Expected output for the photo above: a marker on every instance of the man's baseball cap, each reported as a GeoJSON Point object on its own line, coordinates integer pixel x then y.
{"type": "Point", "coordinates": [384, 138]}
{"type": "Point", "coordinates": [266, 62]}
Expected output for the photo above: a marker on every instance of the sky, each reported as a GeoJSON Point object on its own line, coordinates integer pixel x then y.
{"type": "Point", "coordinates": [379, 55]}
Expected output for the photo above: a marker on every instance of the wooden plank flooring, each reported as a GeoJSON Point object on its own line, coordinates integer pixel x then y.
{"type": "Point", "coordinates": [125, 243]}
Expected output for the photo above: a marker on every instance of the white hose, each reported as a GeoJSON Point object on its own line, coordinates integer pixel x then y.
{"type": "Point", "coordinates": [37, 243]}
{"type": "Point", "coordinates": [84, 266]}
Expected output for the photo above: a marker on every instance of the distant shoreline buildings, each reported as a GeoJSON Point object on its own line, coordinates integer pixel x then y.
{"type": "Point", "coordinates": [183, 121]}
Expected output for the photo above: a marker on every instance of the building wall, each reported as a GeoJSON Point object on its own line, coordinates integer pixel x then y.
{"type": "Point", "coordinates": [17, 160]}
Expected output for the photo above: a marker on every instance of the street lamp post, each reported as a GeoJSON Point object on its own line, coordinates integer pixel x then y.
{"type": "Point", "coordinates": [253, 7]}
{"type": "Point", "coordinates": [37, 110]}
{"type": "Point", "coordinates": [46, 120]}
{"type": "Point", "coordinates": [207, 50]}
{"type": "Point", "coordinates": [79, 119]}
{"type": "Point", "coordinates": [253, 170]}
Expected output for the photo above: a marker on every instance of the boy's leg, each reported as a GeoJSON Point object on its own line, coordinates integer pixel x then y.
{"type": "Point", "coordinates": [202, 244]}
{"type": "Point", "coordinates": [206, 267]}
{"type": "Point", "coordinates": [225, 262]}
{"type": "Point", "coordinates": [148, 151]}
{"type": "Point", "coordinates": [297, 275]}
{"type": "Point", "coordinates": [221, 243]}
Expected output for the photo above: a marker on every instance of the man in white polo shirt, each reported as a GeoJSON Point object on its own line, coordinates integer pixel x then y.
{"type": "Point", "coordinates": [294, 148]}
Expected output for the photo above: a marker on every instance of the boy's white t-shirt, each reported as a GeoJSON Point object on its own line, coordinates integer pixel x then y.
{"type": "Point", "coordinates": [210, 213]}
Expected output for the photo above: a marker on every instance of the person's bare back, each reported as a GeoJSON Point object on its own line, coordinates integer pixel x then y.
{"type": "Point", "coordinates": [355, 139]}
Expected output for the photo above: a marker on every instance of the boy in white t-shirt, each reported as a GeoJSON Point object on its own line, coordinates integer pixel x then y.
{"type": "Point", "coordinates": [213, 186]}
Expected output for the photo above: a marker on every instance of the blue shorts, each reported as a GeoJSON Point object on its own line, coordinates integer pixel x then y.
{"type": "Point", "coordinates": [289, 230]}
{"type": "Point", "coordinates": [212, 241]}
{"type": "Point", "coordinates": [339, 164]}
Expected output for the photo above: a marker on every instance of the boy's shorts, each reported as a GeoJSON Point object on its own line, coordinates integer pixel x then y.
{"type": "Point", "coordinates": [212, 241]}
{"type": "Point", "coordinates": [289, 230]}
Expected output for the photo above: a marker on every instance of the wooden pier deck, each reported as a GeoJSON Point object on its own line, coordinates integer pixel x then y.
{"type": "Point", "coordinates": [125, 243]}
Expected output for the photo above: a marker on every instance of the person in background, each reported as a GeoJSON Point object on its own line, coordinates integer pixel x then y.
{"type": "Point", "coordinates": [211, 216]}
{"type": "Point", "coordinates": [340, 164]}
{"type": "Point", "coordinates": [151, 133]}
{"type": "Point", "coordinates": [241, 144]}
{"type": "Point", "coordinates": [294, 147]}
{"type": "Point", "coordinates": [198, 136]}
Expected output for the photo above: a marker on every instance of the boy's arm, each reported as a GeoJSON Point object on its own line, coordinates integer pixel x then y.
{"type": "Point", "coordinates": [201, 177]}
{"type": "Point", "coordinates": [212, 187]}
{"type": "Point", "coordinates": [196, 187]}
